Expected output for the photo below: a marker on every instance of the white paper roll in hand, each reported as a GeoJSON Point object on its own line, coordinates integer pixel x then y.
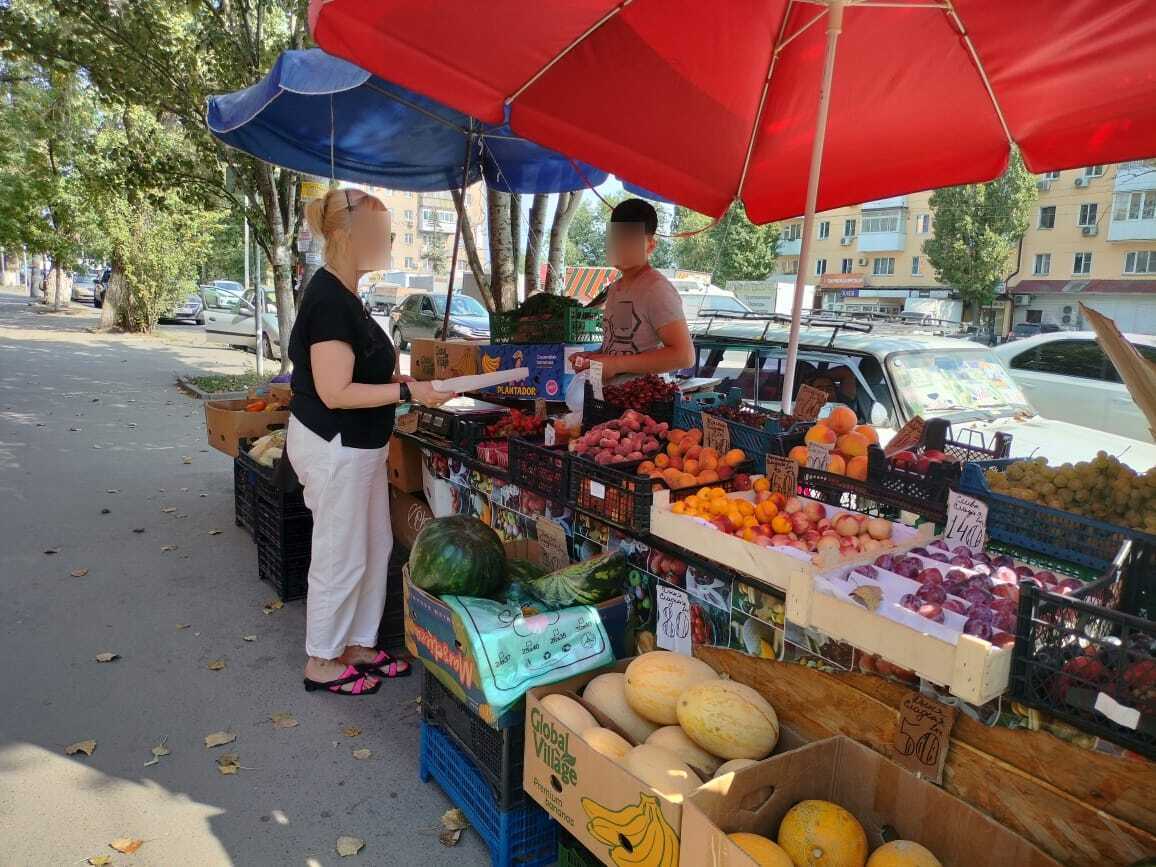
{"type": "Point", "coordinates": [462, 384]}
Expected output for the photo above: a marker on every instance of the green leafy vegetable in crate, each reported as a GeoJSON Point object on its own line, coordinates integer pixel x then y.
{"type": "Point", "coordinates": [587, 583]}
{"type": "Point", "coordinates": [458, 554]}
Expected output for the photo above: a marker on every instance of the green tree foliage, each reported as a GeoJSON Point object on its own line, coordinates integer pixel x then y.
{"type": "Point", "coordinates": [586, 244]}
{"type": "Point", "coordinates": [976, 229]}
{"type": "Point", "coordinates": [732, 249]}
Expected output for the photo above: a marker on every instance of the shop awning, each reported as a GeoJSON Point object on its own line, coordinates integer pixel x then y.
{"type": "Point", "coordinates": [1083, 287]}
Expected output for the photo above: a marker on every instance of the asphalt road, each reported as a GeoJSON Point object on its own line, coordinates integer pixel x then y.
{"type": "Point", "coordinates": [104, 463]}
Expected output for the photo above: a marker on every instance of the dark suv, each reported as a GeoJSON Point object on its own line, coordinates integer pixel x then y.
{"type": "Point", "coordinates": [100, 289]}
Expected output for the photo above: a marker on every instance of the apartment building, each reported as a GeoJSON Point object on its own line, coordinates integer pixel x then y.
{"type": "Point", "coordinates": [423, 227]}
{"type": "Point", "coordinates": [1092, 238]}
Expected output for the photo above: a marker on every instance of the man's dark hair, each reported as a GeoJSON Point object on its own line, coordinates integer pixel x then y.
{"type": "Point", "coordinates": [636, 211]}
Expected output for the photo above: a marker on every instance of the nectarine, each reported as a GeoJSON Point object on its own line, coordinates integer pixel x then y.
{"type": "Point", "coordinates": [734, 457]}
{"type": "Point", "coordinates": [857, 467]}
{"type": "Point", "coordinates": [837, 465]}
{"type": "Point", "coordinates": [851, 445]}
{"type": "Point", "coordinates": [842, 419]}
{"type": "Point", "coordinates": [798, 454]}
{"type": "Point", "coordinates": [819, 434]}
{"type": "Point", "coordinates": [868, 433]}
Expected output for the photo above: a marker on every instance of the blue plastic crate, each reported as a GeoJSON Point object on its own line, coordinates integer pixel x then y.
{"type": "Point", "coordinates": [525, 836]}
{"type": "Point", "coordinates": [1056, 533]}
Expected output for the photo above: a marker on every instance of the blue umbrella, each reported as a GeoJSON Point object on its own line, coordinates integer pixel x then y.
{"type": "Point", "coordinates": [321, 115]}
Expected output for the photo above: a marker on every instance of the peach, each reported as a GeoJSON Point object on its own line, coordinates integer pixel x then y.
{"type": "Point", "coordinates": [799, 455]}
{"type": "Point", "coordinates": [662, 461]}
{"type": "Point", "coordinates": [734, 457]}
{"type": "Point", "coordinates": [690, 465]}
{"type": "Point", "coordinates": [645, 468]}
{"type": "Point", "coordinates": [676, 435]}
{"type": "Point", "coordinates": [686, 480]}
{"type": "Point", "coordinates": [851, 445]}
{"type": "Point", "coordinates": [670, 476]}
{"type": "Point", "coordinates": [676, 463]}
{"type": "Point", "coordinates": [868, 433]}
{"type": "Point", "coordinates": [781, 524]}
{"type": "Point", "coordinates": [842, 419]}
{"type": "Point", "coordinates": [673, 450]}
{"type": "Point", "coordinates": [837, 465]}
{"type": "Point", "coordinates": [820, 434]}
{"type": "Point", "coordinates": [760, 484]}
{"type": "Point", "coordinates": [725, 472]}
{"type": "Point", "coordinates": [857, 467]}
{"type": "Point", "coordinates": [706, 477]}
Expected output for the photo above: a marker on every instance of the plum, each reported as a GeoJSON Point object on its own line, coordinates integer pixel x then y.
{"type": "Point", "coordinates": [1006, 575]}
{"type": "Point", "coordinates": [931, 610]}
{"type": "Point", "coordinates": [1068, 585]}
{"type": "Point", "coordinates": [979, 611]}
{"type": "Point", "coordinates": [1003, 640]}
{"type": "Point", "coordinates": [885, 561]}
{"type": "Point", "coordinates": [981, 568]}
{"type": "Point", "coordinates": [929, 576]}
{"type": "Point", "coordinates": [907, 567]}
{"type": "Point", "coordinates": [921, 551]}
{"type": "Point", "coordinates": [910, 601]}
{"type": "Point", "coordinates": [938, 543]}
{"type": "Point", "coordinates": [956, 576]}
{"type": "Point", "coordinates": [932, 593]}
{"type": "Point", "coordinates": [955, 605]}
{"type": "Point", "coordinates": [981, 557]}
{"type": "Point", "coordinates": [868, 571]}
{"type": "Point", "coordinates": [977, 596]}
{"type": "Point", "coordinates": [1025, 571]}
{"type": "Point", "coordinates": [978, 628]}
{"type": "Point", "coordinates": [959, 560]}
{"type": "Point", "coordinates": [961, 551]}
{"type": "Point", "coordinates": [1004, 560]}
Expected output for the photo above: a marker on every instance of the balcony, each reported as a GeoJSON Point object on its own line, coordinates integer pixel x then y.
{"type": "Point", "coordinates": [1134, 210]}
{"type": "Point", "coordinates": [882, 242]}
{"type": "Point", "coordinates": [879, 204]}
{"type": "Point", "coordinates": [790, 248]}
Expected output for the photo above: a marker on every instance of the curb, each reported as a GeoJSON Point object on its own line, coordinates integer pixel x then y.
{"type": "Point", "coordinates": [191, 389]}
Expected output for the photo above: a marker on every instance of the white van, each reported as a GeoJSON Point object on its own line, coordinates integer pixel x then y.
{"type": "Point", "coordinates": [699, 299]}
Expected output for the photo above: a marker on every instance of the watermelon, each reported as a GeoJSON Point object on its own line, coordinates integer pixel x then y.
{"type": "Point", "coordinates": [586, 583]}
{"type": "Point", "coordinates": [523, 570]}
{"type": "Point", "coordinates": [458, 555]}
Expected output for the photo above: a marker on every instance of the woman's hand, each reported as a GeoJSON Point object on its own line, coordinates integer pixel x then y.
{"type": "Point", "coordinates": [401, 377]}
{"type": "Point", "coordinates": [424, 393]}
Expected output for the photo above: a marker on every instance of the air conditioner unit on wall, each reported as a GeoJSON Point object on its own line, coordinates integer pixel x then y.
{"type": "Point", "coordinates": [1081, 182]}
{"type": "Point", "coordinates": [1022, 300]}
{"type": "Point", "coordinates": [844, 242]}
{"type": "Point", "coordinates": [1044, 184]}
{"type": "Point", "coordinates": [1089, 231]}
{"type": "Point", "coordinates": [862, 260]}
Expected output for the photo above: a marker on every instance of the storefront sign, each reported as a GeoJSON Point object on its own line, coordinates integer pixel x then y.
{"type": "Point", "coordinates": [809, 402]}
{"type": "Point", "coordinates": [922, 736]}
{"type": "Point", "coordinates": [596, 379]}
{"type": "Point", "coordinates": [673, 628]}
{"type": "Point", "coordinates": [818, 457]}
{"type": "Point", "coordinates": [715, 434]}
{"type": "Point", "coordinates": [966, 521]}
{"type": "Point", "coordinates": [783, 475]}
{"type": "Point", "coordinates": [907, 437]}
{"type": "Point", "coordinates": [552, 540]}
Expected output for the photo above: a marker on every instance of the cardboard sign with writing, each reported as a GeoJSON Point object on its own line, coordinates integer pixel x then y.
{"type": "Point", "coordinates": [808, 403]}
{"type": "Point", "coordinates": [783, 475]}
{"type": "Point", "coordinates": [908, 436]}
{"type": "Point", "coordinates": [549, 435]}
{"type": "Point", "coordinates": [552, 539]}
{"type": "Point", "coordinates": [596, 379]}
{"type": "Point", "coordinates": [922, 736]}
{"type": "Point", "coordinates": [818, 457]}
{"type": "Point", "coordinates": [406, 423]}
{"type": "Point", "coordinates": [673, 627]}
{"type": "Point", "coordinates": [715, 434]}
{"type": "Point", "coordinates": [966, 521]}
{"type": "Point", "coordinates": [539, 407]}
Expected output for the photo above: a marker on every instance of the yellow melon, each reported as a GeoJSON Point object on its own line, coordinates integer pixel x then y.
{"type": "Point", "coordinates": [663, 770]}
{"type": "Point", "coordinates": [610, 744]}
{"type": "Point", "coordinates": [607, 694]}
{"type": "Point", "coordinates": [764, 852]}
{"type": "Point", "coordinates": [654, 681]}
{"type": "Point", "coordinates": [729, 719]}
{"type": "Point", "coordinates": [732, 766]}
{"type": "Point", "coordinates": [822, 834]}
{"type": "Point", "coordinates": [569, 712]}
{"type": "Point", "coordinates": [903, 853]}
{"type": "Point", "coordinates": [673, 738]}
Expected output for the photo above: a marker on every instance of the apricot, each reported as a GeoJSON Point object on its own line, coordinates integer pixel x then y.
{"type": "Point", "coordinates": [798, 454]}
{"type": "Point", "coordinates": [670, 476]}
{"type": "Point", "coordinates": [693, 452]}
{"type": "Point", "coordinates": [685, 480]}
{"type": "Point", "coordinates": [673, 450]}
{"type": "Point", "coordinates": [690, 465]}
{"type": "Point", "coordinates": [857, 467]}
{"type": "Point", "coordinates": [760, 484]}
{"type": "Point", "coordinates": [734, 457]}
{"type": "Point", "coordinates": [676, 463]}
{"type": "Point", "coordinates": [663, 461]}
{"type": "Point", "coordinates": [851, 445]}
{"type": "Point", "coordinates": [842, 420]}
{"type": "Point", "coordinates": [781, 524]}
{"type": "Point", "coordinates": [837, 465]}
{"type": "Point", "coordinates": [868, 433]}
{"type": "Point", "coordinates": [706, 477]}
{"type": "Point", "coordinates": [820, 434]}
{"type": "Point", "coordinates": [645, 468]}
{"type": "Point", "coordinates": [676, 435]}
{"type": "Point", "coordinates": [694, 435]}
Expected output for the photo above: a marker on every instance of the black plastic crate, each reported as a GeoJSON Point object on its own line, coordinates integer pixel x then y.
{"type": "Point", "coordinates": [496, 753]}
{"type": "Point", "coordinates": [1082, 660]}
{"type": "Point", "coordinates": [930, 488]}
{"type": "Point", "coordinates": [575, 325]}
{"type": "Point", "coordinates": [540, 468]}
{"type": "Point", "coordinates": [616, 496]}
{"type": "Point", "coordinates": [245, 493]}
{"type": "Point", "coordinates": [391, 630]}
{"type": "Point", "coordinates": [284, 549]}
{"type": "Point", "coordinates": [468, 431]}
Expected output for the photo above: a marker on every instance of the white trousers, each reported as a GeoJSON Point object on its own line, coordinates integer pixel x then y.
{"type": "Point", "coordinates": [347, 490]}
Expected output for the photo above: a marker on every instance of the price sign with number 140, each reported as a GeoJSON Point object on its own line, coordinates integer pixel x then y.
{"type": "Point", "coordinates": [966, 521]}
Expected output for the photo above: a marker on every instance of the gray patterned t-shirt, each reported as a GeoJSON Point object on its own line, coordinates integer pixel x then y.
{"type": "Point", "coordinates": [635, 310]}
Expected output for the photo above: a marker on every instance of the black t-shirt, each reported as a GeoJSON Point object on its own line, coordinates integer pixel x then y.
{"type": "Point", "coordinates": [329, 311]}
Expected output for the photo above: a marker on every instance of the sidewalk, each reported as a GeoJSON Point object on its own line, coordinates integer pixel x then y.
{"type": "Point", "coordinates": [96, 444]}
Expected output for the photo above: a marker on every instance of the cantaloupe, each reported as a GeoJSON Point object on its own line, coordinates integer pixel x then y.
{"type": "Point", "coordinates": [903, 853]}
{"type": "Point", "coordinates": [654, 681]}
{"type": "Point", "coordinates": [569, 712]}
{"type": "Point", "coordinates": [732, 766]}
{"type": "Point", "coordinates": [607, 693]}
{"type": "Point", "coordinates": [610, 744]}
{"type": "Point", "coordinates": [822, 834]}
{"type": "Point", "coordinates": [673, 738]}
{"type": "Point", "coordinates": [729, 719]}
{"type": "Point", "coordinates": [663, 770]}
{"type": "Point", "coordinates": [765, 853]}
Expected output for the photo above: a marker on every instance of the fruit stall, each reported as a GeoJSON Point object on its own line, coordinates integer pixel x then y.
{"type": "Point", "coordinates": [676, 627]}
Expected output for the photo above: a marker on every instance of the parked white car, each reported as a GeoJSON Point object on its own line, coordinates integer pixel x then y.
{"type": "Point", "coordinates": [1067, 376]}
{"type": "Point", "coordinates": [229, 320]}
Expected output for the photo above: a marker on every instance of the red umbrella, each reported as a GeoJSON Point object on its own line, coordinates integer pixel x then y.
{"type": "Point", "coordinates": [706, 103]}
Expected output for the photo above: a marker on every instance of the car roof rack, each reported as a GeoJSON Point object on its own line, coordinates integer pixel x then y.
{"type": "Point", "coordinates": [822, 319]}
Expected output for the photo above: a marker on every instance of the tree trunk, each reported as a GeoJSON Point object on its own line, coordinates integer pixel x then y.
{"type": "Point", "coordinates": [61, 293]}
{"type": "Point", "coordinates": [112, 314]}
{"type": "Point", "coordinates": [537, 225]}
{"type": "Point", "coordinates": [278, 224]}
{"type": "Point", "coordinates": [503, 278]}
{"type": "Point", "coordinates": [469, 243]}
{"type": "Point", "coordinates": [515, 239]}
{"type": "Point", "coordinates": [559, 230]}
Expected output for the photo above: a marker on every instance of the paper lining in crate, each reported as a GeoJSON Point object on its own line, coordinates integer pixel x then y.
{"type": "Point", "coordinates": [775, 566]}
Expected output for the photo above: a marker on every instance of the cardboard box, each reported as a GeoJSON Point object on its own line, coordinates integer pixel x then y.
{"type": "Point", "coordinates": [572, 781]}
{"type": "Point", "coordinates": [441, 359]}
{"type": "Point", "coordinates": [226, 422]}
{"type": "Point", "coordinates": [407, 515]}
{"type": "Point", "coordinates": [551, 369]}
{"type": "Point", "coordinates": [432, 630]}
{"type": "Point", "coordinates": [404, 464]}
{"type": "Point", "coordinates": [876, 790]}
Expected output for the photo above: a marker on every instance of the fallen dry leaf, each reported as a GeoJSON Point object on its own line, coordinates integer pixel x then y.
{"type": "Point", "coordinates": [216, 665]}
{"type": "Point", "coordinates": [78, 573]}
{"type": "Point", "coordinates": [186, 460]}
{"type": "Point", "coordinates": [183, 625]}
{"type": "Point", "coordinates": [107, 656]}
{"type": "Point", "coordinates": [454, 820]}
{"type": "Point", "coordinates": [86, 747]}
{"type": "Point", "coordinates": [138, 529]}
{"type": "Point", "coordinates": [99, 860]}
{"type": "Point", "coordinates": [362, 754]}
{"type": "Point", "coordinates": [95, 446]}
{"type": "Point", "coordinates": [51, 550]}
{"type": "Point", "coordinates": [868, 596]}
{"type": "Point", "coordinates": [228, 763]}
{"type": "Point", "coordinates": [349, 846]}
{"type": "Point", "coordinates": [273, 605]}
{"type": "Point", "coordinates": [450, 838]}
{"type": "Point", "coordinates": [168, 547]}
{"type": "Point", "coordinates": [126, 845]}
{"type": "Point", "coordinates": [182, 516]}
{"type": "Point", "coordinates": [158, 751]}
{"type": "Point", "coordinates": [248, 637]}
{"type": "Point", "coordinates": [214, 532]}
{"type": "Point", "coordinates": [283, 721]}
{"type": "Point", "coordinates": [351, 731]}
{"type": "Point", "coordinates": [168, 510]}
{"type": "Point", "coordinates": [106, 511]}
{"type": "Point", "coordinates": [219, 739]}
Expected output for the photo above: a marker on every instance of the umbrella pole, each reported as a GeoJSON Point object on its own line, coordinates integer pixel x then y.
{"type": "Point", "coordinates": [834, 28]}
{"type": "Point", "coordinates": [461, 205]}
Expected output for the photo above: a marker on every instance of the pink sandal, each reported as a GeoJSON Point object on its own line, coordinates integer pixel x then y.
{"type": "Point", "coordinates": [386, 666]}
{"type": "Point", "coordinates": [359, 679]}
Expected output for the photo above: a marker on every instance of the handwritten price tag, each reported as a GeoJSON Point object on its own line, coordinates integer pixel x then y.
{"type": "Point", "coordinates": [922, 736]}
{"type": "Point", "coordinates": [818, 457]}
{"type": "Point", "coordinates": [673, 627]}
{"type": "Point", "coordinates": [809, 402]}
{"type": "Point", "coordinates": [715, 434]}
{"type": "Point", "coordinates": [908, 436]}
{"type": "Point", "coordinates": [596, 379]}
{"type": "Point", "coordinates": [552, 539]}
{"type": "Point", "coordinates": [549, 436]}
{"type": "Point", "coordinates": [782, 475]}
{"type": "Point", "coordinates": [539, 407]}
{"type": "Point", "coordinates": [966, 521]}
{"type": "Point", "coordinates": [406, 423]}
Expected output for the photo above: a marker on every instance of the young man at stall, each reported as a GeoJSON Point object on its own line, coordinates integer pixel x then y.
{"type": "Point", "coordinates": [644, 325]}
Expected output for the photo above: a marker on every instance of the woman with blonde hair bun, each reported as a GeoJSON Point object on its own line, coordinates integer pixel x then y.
{"type": "Point", "coordinates": [345, 390]}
